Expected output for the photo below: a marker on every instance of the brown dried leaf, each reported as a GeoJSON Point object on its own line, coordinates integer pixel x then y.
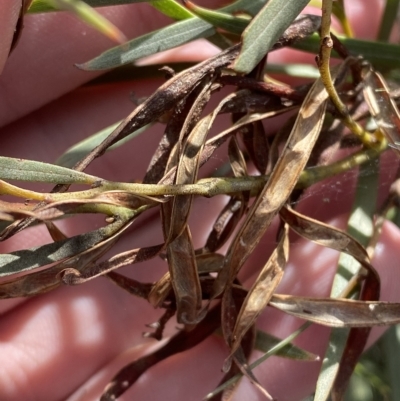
{"type": "Point", "coordinates": [185, 278]}
{"type": "Point", "coordinates": [72, 276]}
{"type": "Point", "coordinates": [236, 158]}
{"type": "Point", "coordinates": [229, 316]}
{"type": "Point", "coordinates": [55, 233]}
{"type": "Point", "coordinates": [186, 173]}
{"type": "Point", "coordinates": [260, 147]}
{"type": "Point", "coordinates": [134, 287]}
{"type": "Point", "coordinates": [185, 116]}
{"type": "Point", "coordinates": [280, 184]}
{"type": "Point", "coordinates": [188, 168]}
{"type": "Point", "coordinates": [160, 290]}
{"type": "Point", "coordinates": [261, 291]}
{"type": "Point", "coordinates": [334, 312]}
{"type": "Point", "coordinates": [28, 259]}
{"type": "Point", "coordinates": [324, 234]}
{"type": "Point", "coordinates": [225, 223]}
{"type": "Point", "coordinates": [164, 99]}
{"type": "Point", "coordinates": [209, 262]}
{"type": "Point", "coordinates": [382, 106]}
{"type": "Point", "coordinates": [48, 279]}
{"type": "Point", "coordinates": [160, 324]}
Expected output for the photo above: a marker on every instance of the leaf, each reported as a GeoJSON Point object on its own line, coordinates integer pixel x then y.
{"type": "Point", "coordinates": [162, 101]}
{"type": "Point", "coordinates": [40, 6]}
{"type": "Point", "coordinates": [82, 148]}
{"type": "Point", "coordinates": [261, 291]}
{"type": "Point", "coordinates": [383, 56]}
{"type": "Point", "coordinates": [146, 45]}
{"type": "Point", "coordinates": [391, 349]}
{"type": "Point", "coordinates": [324, 234]}
{"type": "Point", "coordinates": [28, 259]}
{"type": "Point", "coordinates": [185, 279]}
{"type": "Point", "coordinates": [265, 342]}
{"type": "Point", "coordinates": [333, 312]}
{"type": "Point", "coordinates": [90, 17]}
{"type": "Point", "coordinates": [225, 223]}
{"type": "Point", "coordinates": [189, 165]}
{"type": "Point", "coordinates": [388, 20]}
{"type": "Point", "coordinates": [72, 276]}
{"type": "Point", "coordinates": [228, 22]}
{"type": "Point", "coordinates": [48, 279]}
{"type": "Point", "coordinates": [163, 39]}
{"type": "Point", "coordinates": [33, 171]}
{"type": "Point", "coordinates": [264, 30]}
{"type": "Point", "coordinates": [189, 161]}
{"type": "Point", "coordinates": [253, 365]}
{"type": "Point", "coordinates": [160, 290]}
{"type": "Point", "coordinates": [279, 185]}
{"type": "Point", "coordinates": [382, 107]}
{"type": "Point", "coordinates": [172, 9]}
{"type": "Point", "coordinates": [360, 227]}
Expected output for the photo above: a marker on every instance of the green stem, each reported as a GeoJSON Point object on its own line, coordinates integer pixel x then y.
{"type": "Point", "coordinates": [326, 45]}
{"type": "Point", "coordinates": [209, 187]}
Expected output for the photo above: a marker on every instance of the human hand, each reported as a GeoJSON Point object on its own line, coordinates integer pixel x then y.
{"type": "Point", "coordinates": [68, 344]}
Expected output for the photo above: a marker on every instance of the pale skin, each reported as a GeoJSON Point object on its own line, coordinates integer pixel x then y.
{"type": "Point", "coordinates": [67, 344]}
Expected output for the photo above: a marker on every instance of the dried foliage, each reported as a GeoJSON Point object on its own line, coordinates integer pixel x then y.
{"type": "Point", "coordinates": [201, 287]}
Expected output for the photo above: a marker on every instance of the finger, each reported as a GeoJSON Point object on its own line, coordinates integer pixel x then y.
{"type": "Point", "coordinates": [42, 67]}
{"type": "Point", "coordinates": [174, 378]}
{"type": "Point", "coordinates": [9, 13]}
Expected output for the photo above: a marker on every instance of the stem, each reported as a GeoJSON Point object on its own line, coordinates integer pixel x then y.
{"type": "Point", "coordinates": [209, 187]}
{"type": "Point", "coordinates": [326, 45]}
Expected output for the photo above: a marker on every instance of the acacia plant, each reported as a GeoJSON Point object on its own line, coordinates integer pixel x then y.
{"type": "Point", "coordinates": [337, 122]}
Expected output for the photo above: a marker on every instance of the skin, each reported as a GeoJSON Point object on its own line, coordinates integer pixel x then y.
{"type": "Point", "coordinates": [67, 344]}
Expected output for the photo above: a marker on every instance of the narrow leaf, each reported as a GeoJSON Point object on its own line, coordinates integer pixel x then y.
{"type": "Point", "coordinates": [388, 20]}
{"type": "Point", "coordinates": [81, 149]}
{"type": "Point", "coordinates": [91, 17]}
{"type": "Point", "coordinates": [333, 312]}
{"type": "Point", "coordinates": [30, 170]}
{"type": "Point", "coordinates": [41, 6]}
{"type": "Point", "coordinates": [279, 186]}
{"type": "Point", "coordinates": [253, 365]}
{"type": "Point", "coordinates": [189, 162]}
{"type": "Point", "coordinates": [383, 56]}
{"type": "Point", "coordinates": [265, 342]}
{"type": "Point", "coordinates": [73, 276]}
{"type": "Point", "coordinates": [264, 30]}
{"type": "Point", "coordinates": [218, 19]}
{"type": "Point", "coordinates": [172, 9]}
{"type": "Point", "coordinates": [360, 227]}
{"type": "Point", "coordinates": [261, 291]}
{"type": "Point", "coordinates": [382, 107]}
{"type": "Point", "coordinates": [48, 279]}
{"type": "Point", "coordinates": [28, 259]}
{"type": "Point", "coordinates": [178, 34]}
{"type": "Point", "coordinates": [185, 279]}
{"type": "Point", "coordinates": [189, 165]}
